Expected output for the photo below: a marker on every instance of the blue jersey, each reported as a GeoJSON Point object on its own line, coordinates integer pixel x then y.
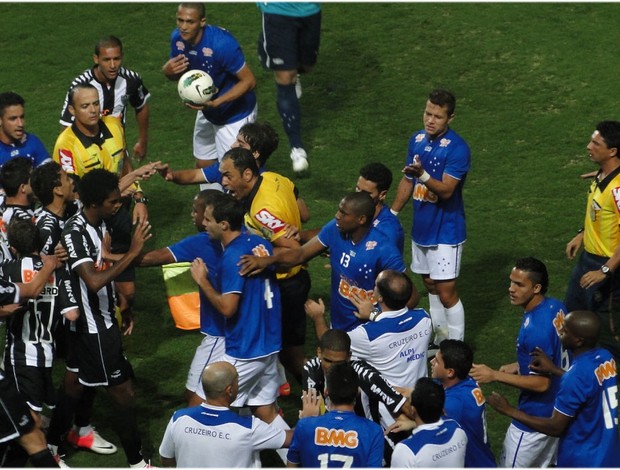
{"type": "Point", "coordinates": [294, 9]}
{"type": "Point", "coordinates": [437, 221]}
{"type": "Point", "coordinates": [355, 266]}
{"type": "Point", "coordinates": [465, 403]}
{"type": "Point", "coordinates": [440, 444]}
{"type": "Point", "coordinates": [210, 251]}
{"type": "Point", "coordinates": [338, 439]}
{"type": "Point", "coordinates": [29, 146]}
{"type": "Point", "coordinates": [388, 224]}
{"type": "Point", "coordinates": [255, 330]}
{"type": "Point", "coordinates": [589, 394]}
{"type": "Point", "coordinates": [540, 328]}
{"type": "Point", "coordinates": [218, 53]}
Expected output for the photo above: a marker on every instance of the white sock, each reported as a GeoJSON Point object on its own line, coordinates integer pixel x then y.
{"type": "Point", "coordinates": [438, 316]}
{"type": "Point", "coordinates": [279, 423]}
{"type": "Point", "coordinates": [85, 431]}
{"type": "Point", "coordinates": [456, 321]}
{"type": "Point", "coordinates": [281, 373]}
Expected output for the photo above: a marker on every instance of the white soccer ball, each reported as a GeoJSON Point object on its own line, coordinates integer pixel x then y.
{"type": "Point", "coordinates": [196, 87]}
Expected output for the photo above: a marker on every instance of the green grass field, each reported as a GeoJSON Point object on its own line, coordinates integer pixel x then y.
{"type": "Point", "coordinates": [532, 81]}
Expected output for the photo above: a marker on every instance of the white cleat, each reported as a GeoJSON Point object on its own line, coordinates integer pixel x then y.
{"type": "Point", "coordinates": [299, 158]}
{"type": "Point", "coordinates": [298, 87]}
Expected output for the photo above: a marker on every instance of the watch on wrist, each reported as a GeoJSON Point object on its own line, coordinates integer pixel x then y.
{"type": "Point", "coordinates": [605, 270]}
{"type": "Point", "coordinates": [141, 200]}
{"type": "Point", "coordinates": [374, 313]}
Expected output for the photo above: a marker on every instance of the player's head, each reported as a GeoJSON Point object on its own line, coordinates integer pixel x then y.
{"type": "Point", "coordinates": [12, 117]}
{"type": "Point", "coordinates": [428, 398]}
{"type": "Point", "coordinates": [49, 180]}
{"type": "Point", "coordinates": [375, 179]}
{"type": "Point", "coordinates": [190, 21]}
{"type": "Point", "coordinates": [393, 289]}
{"type": "Point", "coordinates": [439, 112]}
{"type": "Point", "coordinates": [224, 214]}
{"type": "Point", "coordinates": [239, 172]}
{"type": "Point", "coordinates": [528, 279]}
{"type": "Point", "coordinates": [580, 330]}
{"type": "Point", "coordinates": [605, 140]}
{"type": "Point", "coordinates": [354, 211]}
{"type": "Point", "coordinates": [204, 197]}
{"type": "Point", "coordinates": [342, 383]}
{"type": "Point", "coordinates": [259, 138]}
{"type": "Point", "coordinates": [99, 189]}
{"type": "Point", "coordinates": [453, 360]}
{"type": "Point", "coordinates": [23, 236]}
{"type": "Point", "coordinates": [108, 57]}
{"type": "Point", "coordinates": [220, 382]}
{"type": "Point", "coordinates": [84, 104]}
{"type": "Point", "coordinates": [334, 348]}
{"type": "Point", "coordinates": [15, 178]}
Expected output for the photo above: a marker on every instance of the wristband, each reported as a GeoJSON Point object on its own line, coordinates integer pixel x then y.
{"type": "Point", "coordinates": [424, 177]}
{"type": "Point", "coordinates": [394, 212]}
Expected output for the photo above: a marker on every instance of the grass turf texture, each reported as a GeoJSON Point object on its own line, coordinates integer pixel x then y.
{"type": "Point", "coordinates": [532, 81]}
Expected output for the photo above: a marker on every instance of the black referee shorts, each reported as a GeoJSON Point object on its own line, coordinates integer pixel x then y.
{"type": "Point", "coordinates": [293, 295]}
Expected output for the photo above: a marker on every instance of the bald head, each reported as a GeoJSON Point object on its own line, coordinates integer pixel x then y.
{"type": "Point", "coordinates": [217, 377]}
{"type": "Point", "coordinates": [585, 325]}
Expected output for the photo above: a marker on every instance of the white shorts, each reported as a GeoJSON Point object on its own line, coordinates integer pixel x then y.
{"type": "Point", "coordinates": [441, 262]}
{"type": "Point", "coordinates": [258, 380]}
{"type": "Point", "coordinates": [527, 449]}
{"type": "Point", "coordinates": [211, 141]}
{"type": "Point", "coordinates": [210, 349]}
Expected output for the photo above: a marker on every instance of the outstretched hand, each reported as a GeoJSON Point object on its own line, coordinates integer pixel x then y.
{"type": "Point", "coordinates": [499, 403]}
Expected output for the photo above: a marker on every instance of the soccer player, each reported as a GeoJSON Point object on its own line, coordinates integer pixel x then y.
{"type": "Point", "coordinates": [437, 164]}
{"type": "Point", "coordinates": [211, 434]}
{"type": "Point", "coordinates": [339, 438]}
{"type": "Point", "coordinates": [19, 202]}
{"type": "Point", "coordinates": [55, 190]}
{"type": "Point", "coordinates": [436, 441]}
{"type": "Point", "coordinates": [270, 204]}
{"type": "Point", "coordinates": [358, 253]}
{"type": "Point", "coordinates": [376, 179]}
{"type": "Point", "coordinates": [195, 246]}
{"type": "Point", "coordinates": [465, 401]}
{"type": "Point", "coordinates": [251, 306]}
{"type": "Point", "coordinates": [595, 281]}
{"type": "Point", "coordinates": [16, 417]}
{"type": "Point", "coordinates": [99, 349]}
{"type": "Point", "coordinates": [288, 44]}
{"type": "Point", "coordinates": [393, 339]}
{"type": "Point", "coordinates": [196, 45]}
{"type": "Point", "coordinates": [117, 87]}
{"type": "Point", "coordinates": [585, 412]}
{"type": "Point", "coordinates": [540, 328]}
{"type": "Point", "coordinates": [14, 140]}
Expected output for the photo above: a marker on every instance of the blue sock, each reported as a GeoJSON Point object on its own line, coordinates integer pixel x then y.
{"type": "Point", "coordinates": [290, 112]}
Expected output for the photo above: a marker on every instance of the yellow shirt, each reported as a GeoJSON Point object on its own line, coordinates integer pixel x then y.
{"type": "Point", "coordinates": [273, 205]}
{"type": "Point", "coordinates": [602, 222]}
{"type": "Point", "coordinates": [78, 154]}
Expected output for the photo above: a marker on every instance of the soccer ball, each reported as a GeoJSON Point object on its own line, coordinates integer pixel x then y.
{"type": "Point", "coordinates": [196, 87]}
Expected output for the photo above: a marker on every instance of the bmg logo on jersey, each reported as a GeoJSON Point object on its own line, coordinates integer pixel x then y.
{"type": "Point", "coordinates": [605, 371]}
{"type": "Point", "coordinates": [422, 193]}
{"type": "Point", "coordinates": [335, 438]}
{"type": "Point", "coordinates": [346, 290]}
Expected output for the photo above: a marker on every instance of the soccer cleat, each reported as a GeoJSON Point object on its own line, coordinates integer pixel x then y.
{"type": "Point", "coordinates": [61, 463]}
{"type": "Point", "coordinates": [284, 390]}
{"type": "Point", "coordinates": [300, 159]}
{"type": "Point", "coordinates": [142, 464]}
{"type": "Point", "coordinates": [92, 441]}
{"type": "Point", "coordinates": [298, 87]}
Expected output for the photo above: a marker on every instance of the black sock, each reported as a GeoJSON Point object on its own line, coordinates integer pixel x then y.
{"type": "Point", "coordinates": [43, 458]}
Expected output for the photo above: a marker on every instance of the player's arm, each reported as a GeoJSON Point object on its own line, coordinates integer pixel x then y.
{"type": "Point", "coordinates": [403, 194]}
{"type": "Point", "coordinates": [189, 176]}
{"type": "Point", "coordinates": [142, 119]}
{"type": "Point", "coordinates": [227, 304]}
{"type": "Point", "coordinates": [483, 374]}
{"type": "Point", "coordinates": [155, 258]}
{"type": "Point", "coordinates": [316, 312]}
{"type": "Point", "coordinates": [250, 265]}
{"type": "Point", "coordinates": [553, 426]}
{"type": "Point", "coordinates": [246, 83]}
{"type": "Point", "coordinates": [592, 278]}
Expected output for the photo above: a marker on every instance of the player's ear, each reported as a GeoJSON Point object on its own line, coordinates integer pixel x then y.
{"type": "Point", "coordinates": [382, 195]}
{"type": "Point", "coordinates": [96, 59]}
{"type": "Point", "coordinates": [537, 288]}
{"type": "Point", "coordinates": [450, 118]}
